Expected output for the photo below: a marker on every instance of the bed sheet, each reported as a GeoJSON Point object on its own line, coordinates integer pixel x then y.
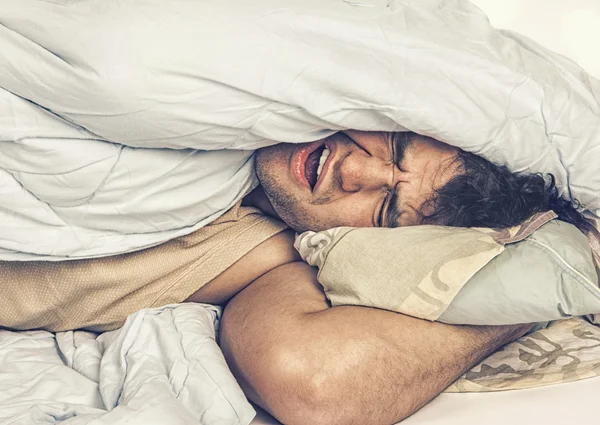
{"type": "Point", "coordinates": [573, 403]}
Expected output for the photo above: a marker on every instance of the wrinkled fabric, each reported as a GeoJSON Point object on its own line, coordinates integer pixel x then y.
{"type": "Point", "coordinates": [162, 367]}
{"type": "Point", "coordinates": [84, 84]}
{"type": "Point", "coordinates": [565, 351]}
{"type": "Point", "coordinates": [538, 271]}
{"type": "Point", "coordinates": [98, 294]}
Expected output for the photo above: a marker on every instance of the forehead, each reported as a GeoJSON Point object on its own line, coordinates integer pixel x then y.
{"type": "Point", "coordinates": [380, 142]}
{"type": "Point", "coordinates": [372, 136]}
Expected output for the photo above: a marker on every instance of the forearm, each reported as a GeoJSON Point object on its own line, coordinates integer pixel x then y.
{"type": "Point", "coordinates": [308, 363]}
{"type": "Point", "coordinates": [401, 363]}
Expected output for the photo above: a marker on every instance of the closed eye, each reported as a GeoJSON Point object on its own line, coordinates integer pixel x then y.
{"type": "Point", "coordinates": [392, 212]}
{"type": "Point", "coordinates": [382, 209]}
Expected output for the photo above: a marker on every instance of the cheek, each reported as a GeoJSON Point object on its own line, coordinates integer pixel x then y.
{"type": "Point", "coordinates": [272, 169]}
{"type": "Point", "coordinates": [348, 212]}
{"type": "Point", "coordinates": [270, 160]}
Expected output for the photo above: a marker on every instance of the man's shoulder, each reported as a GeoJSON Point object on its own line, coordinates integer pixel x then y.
{"type": "Point", "coordinates": [275, 251]}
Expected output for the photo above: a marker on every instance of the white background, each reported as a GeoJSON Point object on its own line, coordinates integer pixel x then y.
{"type": "Point", "coordinates": [569, 27]}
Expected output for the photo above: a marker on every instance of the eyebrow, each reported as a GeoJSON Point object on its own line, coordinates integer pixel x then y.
{"type": "Point", "coordinates": [401, 141]}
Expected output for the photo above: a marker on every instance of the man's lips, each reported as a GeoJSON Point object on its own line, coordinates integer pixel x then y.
{"type": "Point", "coordinates": [300, 156]}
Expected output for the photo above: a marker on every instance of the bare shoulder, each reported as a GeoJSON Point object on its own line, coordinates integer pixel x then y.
{"type": "Point", "coordinates": [270, 254]}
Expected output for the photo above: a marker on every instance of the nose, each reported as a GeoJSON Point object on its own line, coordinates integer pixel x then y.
{"type": "Point", "coordinates": [361, 171]}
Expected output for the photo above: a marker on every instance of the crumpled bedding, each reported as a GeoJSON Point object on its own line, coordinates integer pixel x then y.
{"type": "Point", "coordinates": [91, 91]}
{"type": "Point", "coordinates": [162, 367]}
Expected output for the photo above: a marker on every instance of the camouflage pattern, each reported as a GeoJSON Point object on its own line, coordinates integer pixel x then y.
{"type": "Point", "coordinates": [567, 350]}
{"type": "Point", "coordinates": [434, 263]}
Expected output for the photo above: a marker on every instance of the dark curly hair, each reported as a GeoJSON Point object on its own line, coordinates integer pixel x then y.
{"type": "Point", "coordinates": [488, 195]}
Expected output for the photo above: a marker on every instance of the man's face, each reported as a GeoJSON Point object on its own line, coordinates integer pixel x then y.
{"type": "Point", "coordinates": [354, 178]}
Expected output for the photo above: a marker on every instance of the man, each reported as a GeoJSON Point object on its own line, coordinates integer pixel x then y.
{"type": "Point", "coordinates": [308, 363]}
{"type": "Point", "coordinates": [294, 355]}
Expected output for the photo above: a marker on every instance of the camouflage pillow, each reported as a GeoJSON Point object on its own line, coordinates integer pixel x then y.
{"type": "Point", "coordinates": [539, 271]}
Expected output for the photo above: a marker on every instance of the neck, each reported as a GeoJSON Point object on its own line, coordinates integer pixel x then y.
{"type": "Point", "coordinates": [258, 199]}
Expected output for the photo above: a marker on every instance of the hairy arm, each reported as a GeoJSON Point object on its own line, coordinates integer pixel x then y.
{"type": "Point", "coordinates": [305, 362]}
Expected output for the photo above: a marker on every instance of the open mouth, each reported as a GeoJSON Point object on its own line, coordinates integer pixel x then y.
{"type": "Point", "coordinates": [314, 165]}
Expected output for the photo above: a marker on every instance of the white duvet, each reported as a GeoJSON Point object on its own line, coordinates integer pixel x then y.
{"type": "Point", "coordinates": [90, 89]}
{"type": "Point", "coordinates": [163, 367]}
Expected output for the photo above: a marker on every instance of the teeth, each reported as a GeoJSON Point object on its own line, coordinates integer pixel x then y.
{"type": "Point", "coordinates": [322, 160]}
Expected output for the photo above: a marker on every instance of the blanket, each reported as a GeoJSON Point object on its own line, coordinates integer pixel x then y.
{"type": "Point", "coordinates": [162, 367]}
{"type": "Point", "coordinates": [109, 109]}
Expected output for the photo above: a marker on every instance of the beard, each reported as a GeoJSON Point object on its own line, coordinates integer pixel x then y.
{"type": "Point", "coordinates": [288, 207]}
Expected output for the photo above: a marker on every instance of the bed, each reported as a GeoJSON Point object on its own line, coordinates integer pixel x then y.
{"type": "Point", "coordinates": [49, 378]}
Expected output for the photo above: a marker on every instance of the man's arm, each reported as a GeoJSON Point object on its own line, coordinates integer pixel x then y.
{"type": "Point", "coordinates": [305, 362]}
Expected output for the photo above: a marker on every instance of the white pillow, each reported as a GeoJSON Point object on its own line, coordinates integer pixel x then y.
{"type": "Point", "coordinates": [549, 275]}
